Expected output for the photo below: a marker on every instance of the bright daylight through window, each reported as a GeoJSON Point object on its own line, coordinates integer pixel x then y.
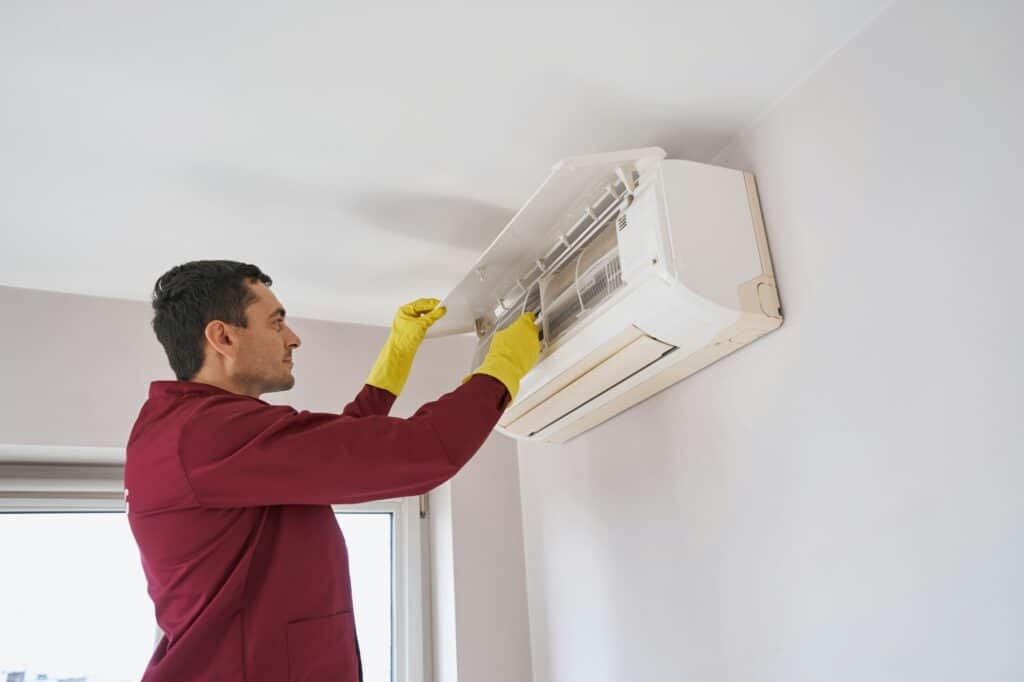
{"type": "Point", "coordinates": [74, 605]}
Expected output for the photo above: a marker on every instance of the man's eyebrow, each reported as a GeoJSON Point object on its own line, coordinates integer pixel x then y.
{"type": "Point", "coordinates": [279, 311]}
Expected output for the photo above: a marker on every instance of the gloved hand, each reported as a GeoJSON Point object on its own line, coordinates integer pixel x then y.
{"type": "Point", "coordinates": [514, 351]}
{"type": "Point", "coordinates": [407, 331]}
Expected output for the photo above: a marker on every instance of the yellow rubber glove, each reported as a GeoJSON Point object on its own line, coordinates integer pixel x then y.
{"type": "Point", "coordinates": [407, 331]}
{"type": "Point", "coordinates": [513, 352]}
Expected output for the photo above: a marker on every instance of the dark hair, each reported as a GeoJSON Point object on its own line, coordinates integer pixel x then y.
{"type": "Point", "coordinates": [188, 297]}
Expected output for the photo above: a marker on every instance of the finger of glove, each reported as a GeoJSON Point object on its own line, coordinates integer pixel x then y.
{"type": "Point", "coordinates": [420, 306]}
{"type": "Point", "coordinates": [526, 326]}
{"type": "Point", "coordinates": [435, 315]}
{"type": "Point", "coordinates": [531, 334]}
{"type": "Point", "coordinates": [417, 326]}
{"type": "Point", "coordinates": [521, 328]}
{"type": "Point", "coordinates": [521, 340]}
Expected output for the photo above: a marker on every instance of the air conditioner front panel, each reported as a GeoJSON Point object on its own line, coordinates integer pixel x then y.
{"type": "Point", "coordinates": [557, 208]}
{"type": "Point", "coordinates": [666, 371]}
{"type": "Point", "coordinates": [612, 370]}
{"type": "Point", "coordinates": [533, 395]}
{"type": "Point", "coordinates": [602, 328]}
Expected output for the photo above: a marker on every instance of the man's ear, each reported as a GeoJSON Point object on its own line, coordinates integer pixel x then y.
{"type": "Point", "coordinates": [221, 338]}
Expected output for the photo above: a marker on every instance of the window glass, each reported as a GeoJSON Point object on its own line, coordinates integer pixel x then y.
{"type": "Point", "coordinates": [73, 600]}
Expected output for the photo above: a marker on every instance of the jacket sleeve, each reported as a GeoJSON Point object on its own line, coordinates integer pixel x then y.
{"type": "Point", "coordinates": [240, 452]}
{"type": "Point", "coordinates": [370, 401]}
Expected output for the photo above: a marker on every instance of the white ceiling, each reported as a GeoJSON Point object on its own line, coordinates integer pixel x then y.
{"type": "Point", "coordinates": [362, 156]}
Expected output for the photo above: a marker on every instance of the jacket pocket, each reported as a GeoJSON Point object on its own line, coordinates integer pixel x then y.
{"type": "Point", "coordinates": [323, 649]}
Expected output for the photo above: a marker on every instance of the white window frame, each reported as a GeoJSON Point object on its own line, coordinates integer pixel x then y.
{"type": "Point", "coordinates": [409, 623]}
{"type": "Point", "coordinates": [36, 479]}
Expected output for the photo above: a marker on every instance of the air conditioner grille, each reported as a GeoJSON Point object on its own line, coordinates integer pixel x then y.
{"type": "Point", "coordinates": [594, 230]}
{"type": "Point", "coordinates": [593, 288]}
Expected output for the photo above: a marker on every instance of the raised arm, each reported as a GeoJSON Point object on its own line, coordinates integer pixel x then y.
{"type": "Point", "coordinates": [239, 452]}
{"type": "Point", "coordinates": [371, 401]}
{"type": "Point", "coordinates": [391, 370]}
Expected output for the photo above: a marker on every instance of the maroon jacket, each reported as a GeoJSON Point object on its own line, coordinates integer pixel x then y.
{"type": "Point", "coordinates": [229, 501]}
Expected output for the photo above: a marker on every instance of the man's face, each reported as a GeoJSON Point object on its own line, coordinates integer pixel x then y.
{"type": "Point", "coordinates": [264, 358]}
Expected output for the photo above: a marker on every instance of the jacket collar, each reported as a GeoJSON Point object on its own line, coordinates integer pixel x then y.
{"type": "Point", "coordinates": [160, 389]}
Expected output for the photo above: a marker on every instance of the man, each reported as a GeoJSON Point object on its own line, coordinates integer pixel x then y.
{"type": "Point", "coordinates": [229, 497]}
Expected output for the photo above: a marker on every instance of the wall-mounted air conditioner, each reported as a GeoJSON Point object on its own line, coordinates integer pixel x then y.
{"type": "Point", "coordinates": [642, 270]}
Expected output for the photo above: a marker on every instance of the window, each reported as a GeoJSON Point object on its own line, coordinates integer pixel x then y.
{"type": "Point", "coordinates": [369, 538]}
{"type": "Point", "coordinates": [384, 547]}
{"type": "Point", "coordinates": [73, 600]}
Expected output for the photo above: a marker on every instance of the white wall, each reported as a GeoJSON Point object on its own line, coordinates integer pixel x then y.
{"type": "Point", "coordinates": [842, 500]}
{"type": "Point", "coordinates": [489, 568]}
{"type": "Point", "coordinates": [76, 370]}
{"type": "Point", "coordinates": [481, 627]}
{"type": "Point", "coordinates": [480, 620]}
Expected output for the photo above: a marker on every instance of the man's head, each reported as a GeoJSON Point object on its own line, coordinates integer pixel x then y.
{"type": "Point", "coordinates": [219, 323]}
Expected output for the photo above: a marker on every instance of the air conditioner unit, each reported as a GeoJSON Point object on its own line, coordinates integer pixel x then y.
{"type": "Point", "coordinates": [642, 270]}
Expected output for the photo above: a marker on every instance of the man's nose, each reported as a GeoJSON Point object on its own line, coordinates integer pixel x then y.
{"type": "Point", "coordinates": [293, 339]}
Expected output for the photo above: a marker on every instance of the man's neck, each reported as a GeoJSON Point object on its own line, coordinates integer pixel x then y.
{"type": "Point", "coordinates": [226, 384]}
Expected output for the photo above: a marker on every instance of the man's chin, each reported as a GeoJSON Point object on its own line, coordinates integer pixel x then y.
{"type": "Point", "coordinates": [282, 385]}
